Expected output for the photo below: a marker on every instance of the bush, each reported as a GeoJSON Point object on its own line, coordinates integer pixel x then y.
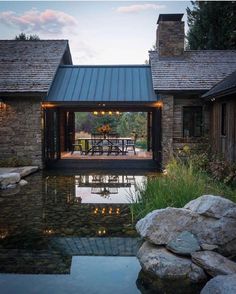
{"type": "Point", "coordinates": [179, 184]}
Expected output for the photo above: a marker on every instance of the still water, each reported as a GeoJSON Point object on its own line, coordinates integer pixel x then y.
{"type": "Point", "coordinates": [69, 234]}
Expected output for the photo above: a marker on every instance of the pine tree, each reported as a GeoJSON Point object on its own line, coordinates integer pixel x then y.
{"type": "Point", "coordinates": [212, 25]}
{"type": "Point", "coordinates": [24, 37]}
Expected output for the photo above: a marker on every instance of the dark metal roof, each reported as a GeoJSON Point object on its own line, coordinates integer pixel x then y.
{"type": "Point", "coordinates": [110, 83]}
{"type": "Point", "coordinates": [225, 87]}
{"type": "Point", "coordinates": [170, 17]}
{"type": "Point", "coordinates": [194, 70]}
{"type": "Point", "coordinates": [30, 66]}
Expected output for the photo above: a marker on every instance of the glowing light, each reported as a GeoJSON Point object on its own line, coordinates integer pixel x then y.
{"type": "Point", "coordinates": [103, 112]}
{"type": "Point", "coordinates": [110, 112]}
{"type": "Point", "coordinates": [95, 113]}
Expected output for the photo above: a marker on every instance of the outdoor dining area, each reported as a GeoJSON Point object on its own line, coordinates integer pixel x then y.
{"type": "Point", "coordinates": [104, 143]}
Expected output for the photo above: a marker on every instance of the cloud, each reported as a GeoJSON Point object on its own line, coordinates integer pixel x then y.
{"type": "Point", "coordinates": [33, 21]}
{"type": "Point", "coordinates": [138, 8]}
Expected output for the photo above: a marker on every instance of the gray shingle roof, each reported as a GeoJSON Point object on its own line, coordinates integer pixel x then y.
{"type": "Point", "coordinates": [30, 66]}
{"type": "Point", "coordinates": [194, 70]}
{"type": "Point", "coordinates": [225, 87]}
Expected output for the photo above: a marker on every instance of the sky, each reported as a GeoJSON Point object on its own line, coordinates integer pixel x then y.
{"type": "Point", "coordinates": [99, 32]}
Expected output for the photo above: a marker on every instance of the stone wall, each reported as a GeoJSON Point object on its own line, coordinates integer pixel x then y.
{"type": "Point", "coordinates": [172, 125]}
{"type": "Point", "coordinates": [167, 127]}
{"type": "Point", "coordinates": [170, 38]}
{"type": "Point", "coordinates": [21, 130]}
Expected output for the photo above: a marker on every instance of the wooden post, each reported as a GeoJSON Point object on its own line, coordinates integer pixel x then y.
{"type": "Point", "coordinates": [156, 135]}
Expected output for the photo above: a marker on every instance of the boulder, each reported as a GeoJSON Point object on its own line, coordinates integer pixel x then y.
{"type": "Point", "coordinates": [161, 226]}
{"type": "Point", "coordinates": [26, 170]}
{"type": "Point", "coordinates": [9, 179]}
{"type": "Point", "coordinates": [213, 206]}
{"type": "Point", "coordinates": [161, 263]}
{"type": "Point", "coordinates": [221, 285]}
{"type": "Point", "coordinates": [23, 182]}
{"type": "Point", "coordinates": [214, 263]}
{"type": "Point", "coordinates": [184, 244]}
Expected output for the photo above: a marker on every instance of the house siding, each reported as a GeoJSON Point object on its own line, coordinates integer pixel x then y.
{"type": "Point", "coordinates": [224, 145]}
{"type": "Point", "coordinates": [21, 131]}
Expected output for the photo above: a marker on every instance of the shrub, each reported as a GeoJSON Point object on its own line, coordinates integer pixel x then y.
{"type": "Point", "coordinates": [179, 184]}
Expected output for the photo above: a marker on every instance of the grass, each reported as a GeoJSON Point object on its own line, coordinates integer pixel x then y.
{"type": "Point", "coordinates": [180, 184]}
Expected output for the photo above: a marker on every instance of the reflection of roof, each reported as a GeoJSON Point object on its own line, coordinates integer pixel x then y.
{"type": "Point", "coordinates": [29, 66]}
{"type": "Point", "coordinates": [225, 87]}
{"type": "Point", "coordinates": [102, 83]}
{"type": "Point", "coordinates": [194, 70]}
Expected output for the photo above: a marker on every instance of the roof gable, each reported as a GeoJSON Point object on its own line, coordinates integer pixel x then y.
{"type": "Point", "coordinates": [102, 83]}
{"type": "Point", "coordinates": [194, 70]}
{"type": "Point", "coordinates": [225, 87]}
{"type": "Point", "coordinates": [30, 66]}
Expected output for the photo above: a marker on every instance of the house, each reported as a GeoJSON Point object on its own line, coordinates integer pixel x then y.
{"type": "Point", "coordinates": [222, 100]}
{"type": "Point", "coordinates": [27, 69]}
{"type": "Point", "coordinates": [40, 90]}
{"type": "Point", "coordinates": [180, 78]}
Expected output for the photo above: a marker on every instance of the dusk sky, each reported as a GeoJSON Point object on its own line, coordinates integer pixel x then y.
{"type": "Point", "coordinates": [110, 32]}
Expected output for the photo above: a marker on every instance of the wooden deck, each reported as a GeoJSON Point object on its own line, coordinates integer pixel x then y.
{"type": "Point", "coordinates": [140, 155]}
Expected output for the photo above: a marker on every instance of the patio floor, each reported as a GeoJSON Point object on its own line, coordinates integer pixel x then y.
{"type": "Point", "coordinates": [128, 156]}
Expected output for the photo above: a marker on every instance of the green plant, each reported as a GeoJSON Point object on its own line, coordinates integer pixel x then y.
{"type": "Point", "coordinates": [181, 183]}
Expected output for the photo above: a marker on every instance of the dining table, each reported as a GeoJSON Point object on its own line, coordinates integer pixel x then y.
{"type": "Point", "coordinates": [104, 142]}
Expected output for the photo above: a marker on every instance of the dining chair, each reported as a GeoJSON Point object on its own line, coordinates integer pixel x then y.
{"type": "Point", "coordinates": [96, 141]}
{"type": "Point", "coordinates": [130, 143]}
{"type": "Point", "coordinates": [79, 145]}
{"type": "Point", "coordinates": [114, 144]}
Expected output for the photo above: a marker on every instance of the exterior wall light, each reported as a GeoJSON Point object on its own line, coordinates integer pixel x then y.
{"type": "Point", "coordinates": [2, 104]}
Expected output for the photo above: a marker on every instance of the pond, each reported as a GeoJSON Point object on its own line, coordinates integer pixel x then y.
{"type": "Point", "coordinates": [70, 233]}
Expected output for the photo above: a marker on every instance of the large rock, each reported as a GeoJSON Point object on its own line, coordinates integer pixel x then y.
{"type": "Point", "coordinates": [213, 206]}
{"type": "Point", "coordinates": [159, 262]}
{"type": "Point", "coordinates": [26, 170]}
{"type": "Point", "coordinates": [184, 244]}
{"type": "Point", "coordinates": [221, 285]}
{"type": "Point", "coordinates": [9, 179]}
{"type": "Point", "coordinates": [161, 226]}
{"type": "Point", "coordinates": [214, 263]}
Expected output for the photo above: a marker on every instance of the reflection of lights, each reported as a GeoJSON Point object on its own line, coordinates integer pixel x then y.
{"type": "Point", "coordinates": [101, 232]}
{"type": "Point", "coordinates": [48, 231]}
{"type": "Point", "coordinates": [104, 211]}
{"type": "Point", "coordinates": [3, 233]}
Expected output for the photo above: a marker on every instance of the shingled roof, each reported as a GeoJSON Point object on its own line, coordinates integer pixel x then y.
{"type": "Point", "coordinates": [30, 66]}
{"type": "Point", "coordinates": [194, 70]}
{"type": "Point", "coordinates": [225, 87]}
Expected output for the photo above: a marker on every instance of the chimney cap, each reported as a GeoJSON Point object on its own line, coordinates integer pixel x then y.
{"type": "Point", "coordinates": [170, 17]}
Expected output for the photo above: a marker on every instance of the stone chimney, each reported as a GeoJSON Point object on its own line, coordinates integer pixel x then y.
{"type": "Point", "coordinates": [170, 35]}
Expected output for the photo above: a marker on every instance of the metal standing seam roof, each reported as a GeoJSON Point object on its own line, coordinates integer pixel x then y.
{"type": "Point", "coordinates": [102, 83]}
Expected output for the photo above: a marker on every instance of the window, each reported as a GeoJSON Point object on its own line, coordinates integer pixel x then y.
{"type": "Point", "coordinates": [223, 119]}
{"type": "Point", "coordinates": [192, 121]}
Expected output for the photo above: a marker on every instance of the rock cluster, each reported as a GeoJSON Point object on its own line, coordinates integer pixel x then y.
{"type": "Point", "coordinates": [191, 243]}
{"type": "Point", "coordinates": [11, 177]}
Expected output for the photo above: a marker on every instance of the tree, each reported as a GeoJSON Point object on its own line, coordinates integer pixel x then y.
{"type": "Point", "coordinates": [24, 37]}
{"type": "Point", "coordinates": [212, 25]}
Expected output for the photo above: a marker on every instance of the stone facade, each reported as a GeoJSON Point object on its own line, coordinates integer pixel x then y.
{"type": "Point", "coordinates": [21, 135]}
{"type": "Point", "coordinates": [170, 38]}
{"type": "Point", "coordinates": [173, 140]}
{"type": "Point", "coordinates": [167, 127]}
